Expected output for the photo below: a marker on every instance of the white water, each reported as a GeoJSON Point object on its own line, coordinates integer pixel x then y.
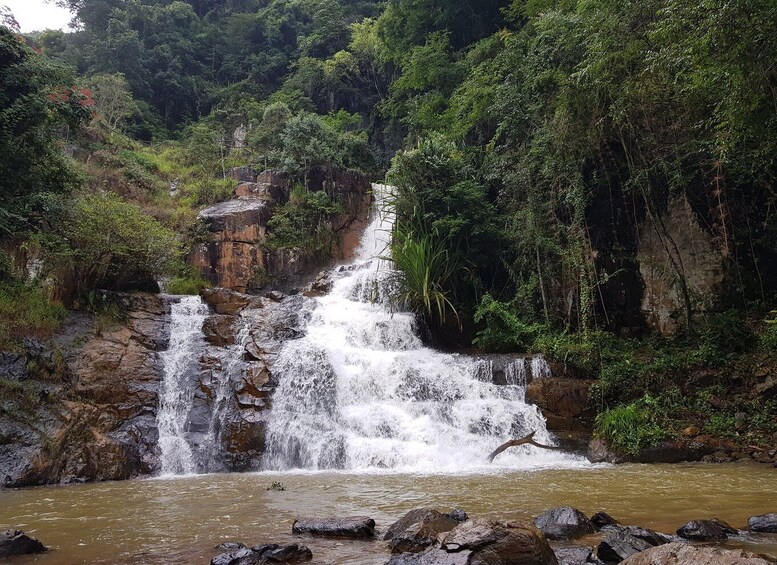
{"type": "Point", "coordinates": [180, 359]}
{"type": "Point", "coordinates": [361, 392]}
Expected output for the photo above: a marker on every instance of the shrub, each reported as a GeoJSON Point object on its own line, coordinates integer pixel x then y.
{"type": "Point", "coordinates": [502, 329]}
{"type": "Point", "coordinates": [187, 285]}
{"type": "Point", "coordinates": [629, 428]}
{"type": "Point", "coordinates": [25, 310]}
{"type": "Point", "coordinates": [304, 222]}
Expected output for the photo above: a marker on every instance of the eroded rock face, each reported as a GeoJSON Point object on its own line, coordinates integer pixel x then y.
{"type": "Point", "coordinates": [351, 527]}
{"type": "Point", "coordinates": [685, 554]}
{"type": "Point", "coordinates": [96, 392]}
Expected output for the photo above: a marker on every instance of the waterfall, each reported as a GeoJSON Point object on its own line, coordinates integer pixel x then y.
{"type": "Point", "coordinates": [360, 391]}
{"type": "Point", "coordinates": [177, 392]}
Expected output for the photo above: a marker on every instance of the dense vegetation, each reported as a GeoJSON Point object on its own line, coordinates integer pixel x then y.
{"type": "Point", "coordinates": [534, 144]}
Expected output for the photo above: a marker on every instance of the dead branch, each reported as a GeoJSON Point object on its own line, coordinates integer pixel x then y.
{"type": "Point", "coordinates": [528, 440]}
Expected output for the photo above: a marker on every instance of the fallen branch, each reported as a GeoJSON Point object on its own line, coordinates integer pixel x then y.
{"type": "Point", "coordinates": [528, 440]}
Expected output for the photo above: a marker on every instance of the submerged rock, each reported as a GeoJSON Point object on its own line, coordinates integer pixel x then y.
{"type": "Point", "coordinates": [16, 542]}
{"type": "Point", "coordinates": [682, 553]}
{"type": "Point", "coordinates": [767, 523]}
{"type": "Point", "coordinates": [702, 530]}
{"type": "Point", "coordinates": [575, 555]}
{"type": "Point", "coordinates": [418, 530]}
{"type": "Point", "coordinates": [351, 527]}
{"type": "Point", "coordinates": [563, 523]}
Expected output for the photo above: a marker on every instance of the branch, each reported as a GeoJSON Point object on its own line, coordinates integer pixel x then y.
{"type": "Point", "coordinates": [528, 440]}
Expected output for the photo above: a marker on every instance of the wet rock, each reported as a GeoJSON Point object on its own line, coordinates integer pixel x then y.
{"type": "Point", "coordinates": [602, 519]}
{"type": "Point", "coordinates": [575, 555]}
{"type": "Point", "coordinates": [275, 296]}
{"type": "Point", "coordinates": [564, 402]}
{"type": "Point", "coordinates": [230, 546]}
{"type": "Point", "coordinates": [229, 302]}
{"type": "Point", "coordinates": [459, 515]}
{"type": "Point", "coordinates": [727, 528]}
{"type": "Point", "coordinates": [617, 545]}
{"type": "Point", "coordinates": [598, 452]}
{"type": "Point", "coordinates": [351, 527]}
{"type": "Point", "coordinates": [219, 330]}
{"type": "Point", "coordinates": [264, 554]}
{"type": "Point", "coordinates": [491, 543]}
{"type": "Point", "coordinates": [767, 523]}
{"type": "Point", "coordinates": [564, 523]}
{"type": "Point", "coordinates": [420, 531]}
{"type": "Point", "coordinates": [431, 557]}
{"type": "Point", "coordinates": [701, 530]}
{"type": "Point", "coordinates": [650, 536]}
{"type": "Point", "coordinates": [16, 542]}
{"type": "Point", "coordinates": [686, 554]}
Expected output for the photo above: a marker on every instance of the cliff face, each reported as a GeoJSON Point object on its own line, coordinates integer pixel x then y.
{"type": "Point", "coordinates": [236, 255]}
{"type": "Point", "coordinates": [83, 406]}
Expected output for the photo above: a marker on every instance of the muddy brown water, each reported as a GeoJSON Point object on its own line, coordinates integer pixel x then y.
{"type": "Point", "coordinates": [180, 520]}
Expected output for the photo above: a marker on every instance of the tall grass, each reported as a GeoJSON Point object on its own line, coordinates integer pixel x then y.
{"type": "Point", "coordinates": [25, 310]}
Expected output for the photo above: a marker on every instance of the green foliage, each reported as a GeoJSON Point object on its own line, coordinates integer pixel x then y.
{"type": "Point", "coordinates": [304, 222]}
{"type": "Point", "coordinates": [108, 243]}
{"type": "Point", "coordinates": [187, 285]}
{"type": "Point", "coordinates": [25, 310]}
{"type": "Point", "coordinates": [629, 428]}
{"type": "Point", "coordinates": [502, 329]}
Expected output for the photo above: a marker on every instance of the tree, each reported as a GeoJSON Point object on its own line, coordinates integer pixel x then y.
{"type": "Point", "coordinates": [113, 99]}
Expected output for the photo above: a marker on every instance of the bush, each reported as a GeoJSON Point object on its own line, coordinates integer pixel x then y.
{"type": "Point", "coordinates": [629, 428]}
{"type": "Point", "coordinates": [187, 285]}
{"type": "Point", "coordinates": [304, 222]}
{"type": "Point", "coordinates": [502, 329]}
{"type": "Point", "coordinates": [25, 310]}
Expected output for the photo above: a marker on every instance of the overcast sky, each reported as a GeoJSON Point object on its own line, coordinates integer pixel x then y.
{"type": "Point", "coordinates": [36, 15]}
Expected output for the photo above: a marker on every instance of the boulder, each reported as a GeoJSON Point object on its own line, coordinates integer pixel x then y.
{"type": "Point", "coordinates": [431, 557]}
{"type": "Point", "coordinates": [685, 554]}
{"type": "Point", "coordinates": [564, 523]}
{"type": "Point", "coordinates": [702, 530]}
{"type": "Point", "coordinates": [564, 402]}
{"type": "Point", "coordinates": [16, 542]}
{"type": "Point", "coordinates": [575, 555]}
{"type": "Point", "coordinates": [491, 543]}
{"type": "Point", "coordinates": [351, 527]}
{"type": "Point", "coordinates": [602, 519]}
{"type": "Point", "coordinates": [418, 530]}
{"type": "Point", "coordinates": [598, 452]}
{"type": "Point", "coordinates": [229, 302]}
{"type": "Point", "coordinates": [617, 545]}
{"type": "Point", "coordinates": [767, 523]}
{"type": "Point", "coordinates": [243, 174]}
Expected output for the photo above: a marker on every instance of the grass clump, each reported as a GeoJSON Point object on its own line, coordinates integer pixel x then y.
{"type": "Point", "coordinates": [27, 311]}
{"type": "Point", "coordinates": [630, 428]}
{"type": "Point", "coordinates": [187, 285]}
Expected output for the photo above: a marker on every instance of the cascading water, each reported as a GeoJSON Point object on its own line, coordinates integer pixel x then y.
{"type": "Point", "coordinates": [360, 391]}
{"type": "Point", "coordinates": [178, 362]}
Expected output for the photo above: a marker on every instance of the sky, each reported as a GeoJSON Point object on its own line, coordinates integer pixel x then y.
{"type": "Point", "coordinates": [36, 15]}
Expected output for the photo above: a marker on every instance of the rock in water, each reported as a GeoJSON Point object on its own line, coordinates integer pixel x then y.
{"type": "Point", "coordinates": [16, 542]}
{"type": "Point", "coordinates": [685, 554]}
{"type": "Point", "coordinates": [263, 554]}
{"type": "Point", "coordinates": [352, 527]}
{"type": "Point", "coordinates": [495, 543]}
{"type": "Point", "coordinates": [564, 523]}
{"type": "Point", "coordinates": [766, 523]}
{"type": "Point", "coordinates": [618, 545]}
{"type": "Point", "coordinates": [432, 557]}
{"type": "Point", "coordinates": [575, 555]}
{"type": "Point", "coordinates": [702, 530]}
{"type": "Point", "coordinates": [418, 530]}
{"type": "Point", "coordinates": [602, 519]}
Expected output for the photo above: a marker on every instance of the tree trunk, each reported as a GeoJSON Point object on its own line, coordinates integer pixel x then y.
{"type": "Point", "coordinates": [528, 440]}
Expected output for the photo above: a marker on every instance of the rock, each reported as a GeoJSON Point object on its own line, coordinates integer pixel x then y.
{"type": "Point", "coordinates": [352, 527]}
{"type": "Point", "coordinates": [420, 531]}
{"type": "Point", "coordinates": [767, 523]}
{"type": "Point", "coordinates": [431, 557]}
{"type": "Point", "coordinates": [601, 519]}
{"type": "Point", "coordinates": [564, 523]}
{"type": "Point", "coordinates": [617, 545]}
{"type": "Point", "coordinates": [598, 452]}
{"type": "Point", "coordinates": [229, 302]}
{"type": "Point", "coordinates": [701, 530]}
{"type": "Point", "coordinates": [16, 542]}
{"type": "Point", "coordinates": [264, 554]}
{"type": "Point", "coordinates": [230, 546]}
{"type": "Point", "coordinates": [495, 543]}
{"type": "Point", "coordinates": [459, 515]}
{"type": "Point", "coordinates": [243, 174]}
{"type": "Point", "coordinates": [275, 296]}
{"type": "Point", "coordinates": [686, 554]}
{"type": "Point", "coordinates": [691, 431]}
{"type": "Point", "coordinates": [219, 330]}
{"type": "Point", "coordinates": [564, 402]}
{"type": "Point", "coordinates": [575, 555]}
{"type": "Point", "coordinates": [650, 536]}
{"type": "Point", "coordinates": [727, 528]}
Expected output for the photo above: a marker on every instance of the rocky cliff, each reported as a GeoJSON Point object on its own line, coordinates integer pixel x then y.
{"type": "Point", "coordinates": [236, 255]}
